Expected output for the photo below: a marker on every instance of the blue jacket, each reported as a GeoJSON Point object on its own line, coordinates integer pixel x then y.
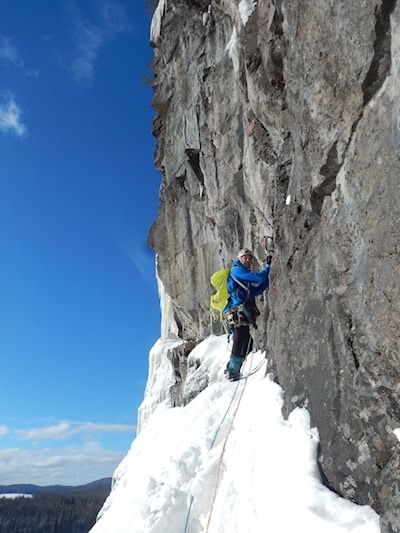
{"type": "Point", "coordinates": [256, 281]}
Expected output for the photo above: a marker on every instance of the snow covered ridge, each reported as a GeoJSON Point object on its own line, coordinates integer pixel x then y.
{"type": "Point", "coordinates": [227, 462]}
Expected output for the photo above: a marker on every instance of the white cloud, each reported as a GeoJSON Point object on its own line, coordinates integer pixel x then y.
{"type": "Point", "coordinates": [3, 430]}
{"type": "Point", "coordinates": [74, 462]}
{"type": "Point", "coordinates": [59, 431]}
{"type": "Point", "coordinates": [91, 36]}
{"type": "Point", "coordinates": [91, 427]}
{"type": "Point", "coordinates": [68, 466]}
{"type": "Point", "coordinates": [67, 430]}
{"type": "Point", "coordinates": [10, 117]}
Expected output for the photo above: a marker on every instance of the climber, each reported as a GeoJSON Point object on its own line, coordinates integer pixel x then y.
{"type": "Point", "coordinates": [241, 310]}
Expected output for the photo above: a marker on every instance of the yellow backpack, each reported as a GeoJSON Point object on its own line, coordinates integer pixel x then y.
{"type": "Point", "coordinates": [218, 301]}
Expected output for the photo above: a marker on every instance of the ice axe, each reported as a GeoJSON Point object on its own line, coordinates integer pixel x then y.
{"type": "Point", "coordinates": [269, 248]}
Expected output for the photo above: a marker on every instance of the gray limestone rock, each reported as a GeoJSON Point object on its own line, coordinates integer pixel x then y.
{"type": "Point", "coordinates": [282, 118]}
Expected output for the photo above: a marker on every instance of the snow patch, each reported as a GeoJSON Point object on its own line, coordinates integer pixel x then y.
{"type": "Point", "coordinates": [397, 433]}
{"type": "Point", "coordinates": [227, 461]}
{"type": "Point", "coordinates": [288, 200]}
{"type": "Point", "coordinates": [233, 49]}
{"type": "Point", "coordinates": [7, 496]}
{"type": "Point", "coordinates": [246, 8]}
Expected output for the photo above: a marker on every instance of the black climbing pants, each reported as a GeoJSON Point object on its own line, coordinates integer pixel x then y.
{"type": "Point", "coordinates": [242, 341]}
{"type": "Point", "coordinates": [242, 345]}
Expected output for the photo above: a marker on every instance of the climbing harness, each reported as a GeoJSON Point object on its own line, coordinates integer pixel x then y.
{"type": "Point", "coordinates": [244, 314]}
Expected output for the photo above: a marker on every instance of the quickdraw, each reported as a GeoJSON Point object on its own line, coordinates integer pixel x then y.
{"type": "Point", "coordinates": [235, 317]}
{"type": "Point", "coordinates": [244, 314]}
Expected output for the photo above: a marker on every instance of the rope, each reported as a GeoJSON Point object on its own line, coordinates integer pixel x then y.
{"type": "Point", "coordinates": [215, 437]}
{"type": "Point", "coordinates": [223, 418]}
{"type": "Point", "coordinates": [256, 369]}
{"type": "Point", "coordinates": [211, 447]}
{"type": "Point", "coordinates": [188, 513]}
{"type": "Point", "coordinates": [231, 402]}
{"type": "Point", "coordinates": [223, 452]}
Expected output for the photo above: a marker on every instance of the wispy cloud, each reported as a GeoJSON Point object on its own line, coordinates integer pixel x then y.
{"type": "Point", "coordinates": [142, 258]}
{"type": "Point", "coordinates": [10, 117]}
{"type": "Point", "coordinates": [91, 35]}
{"type": "Point", "coordinates": [9, 53]}
{"type": "Point", "coordinates": [88, 45]}
{"type": "Point", "coordinates": [67, 430]}
{"type": "Point", "coordinates": [4, 430]}
{"type": "Point", "coordinates": [10, 57]}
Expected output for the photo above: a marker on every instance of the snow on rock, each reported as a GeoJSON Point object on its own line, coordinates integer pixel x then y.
{"type": "Point", "coordinates": [159, 381]}
{"type": "Point", "coordinates": [204, 368]}
{"type": "Point", "coordinates": [233, 49]}
{"type": "Point", "coordinates": [160, 377]}
{"type": "Point", "coordinates": [227, 462]}
{"type": "Point", "coordinates": [155, 29]}
{"type": "Point", "coordinates": [246, 8]}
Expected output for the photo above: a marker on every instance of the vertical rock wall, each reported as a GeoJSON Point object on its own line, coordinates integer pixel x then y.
{"type": "Point", "coordinates": [281, 117]}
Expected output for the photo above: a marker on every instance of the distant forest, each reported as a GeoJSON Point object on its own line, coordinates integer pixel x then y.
{"type": "Point", "coordinates": [68, 512]}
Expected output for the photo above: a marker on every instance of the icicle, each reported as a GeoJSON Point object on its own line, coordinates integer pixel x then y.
{"type": "Point", "coordinates": [168, 324]}
{"type": "Point", "coordinates": [155, 30]}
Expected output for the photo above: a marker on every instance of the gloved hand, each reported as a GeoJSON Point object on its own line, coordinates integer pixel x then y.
{"type": "Point", "coordinates": [269, 260]}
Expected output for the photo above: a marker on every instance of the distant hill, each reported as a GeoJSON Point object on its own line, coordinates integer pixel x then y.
{"type": "Point", "coordinates": [23, 488]}
{"type": "Point", "coordinates": [52, 509]}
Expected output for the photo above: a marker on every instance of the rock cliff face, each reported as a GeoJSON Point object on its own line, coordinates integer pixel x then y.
{"type": "Point", "coordinates": [281, 117]}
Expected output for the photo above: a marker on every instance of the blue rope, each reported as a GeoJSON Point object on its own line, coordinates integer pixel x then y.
{"type": "Point", "coordinates": [188, 514]}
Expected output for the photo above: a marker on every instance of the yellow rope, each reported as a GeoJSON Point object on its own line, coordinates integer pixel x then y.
{"type": "Point", "coordinates": [223, 451]}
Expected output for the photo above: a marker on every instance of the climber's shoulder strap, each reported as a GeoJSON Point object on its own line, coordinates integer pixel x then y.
{"type": "Point", "coordinates": [238, 282]}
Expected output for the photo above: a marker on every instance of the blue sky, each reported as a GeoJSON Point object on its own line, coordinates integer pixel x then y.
{"type": "Point", "coordinates": [79, 306]}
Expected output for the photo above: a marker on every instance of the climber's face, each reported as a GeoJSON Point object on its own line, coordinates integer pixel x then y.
{"type": "Point", "coordinates": [246, 260]}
